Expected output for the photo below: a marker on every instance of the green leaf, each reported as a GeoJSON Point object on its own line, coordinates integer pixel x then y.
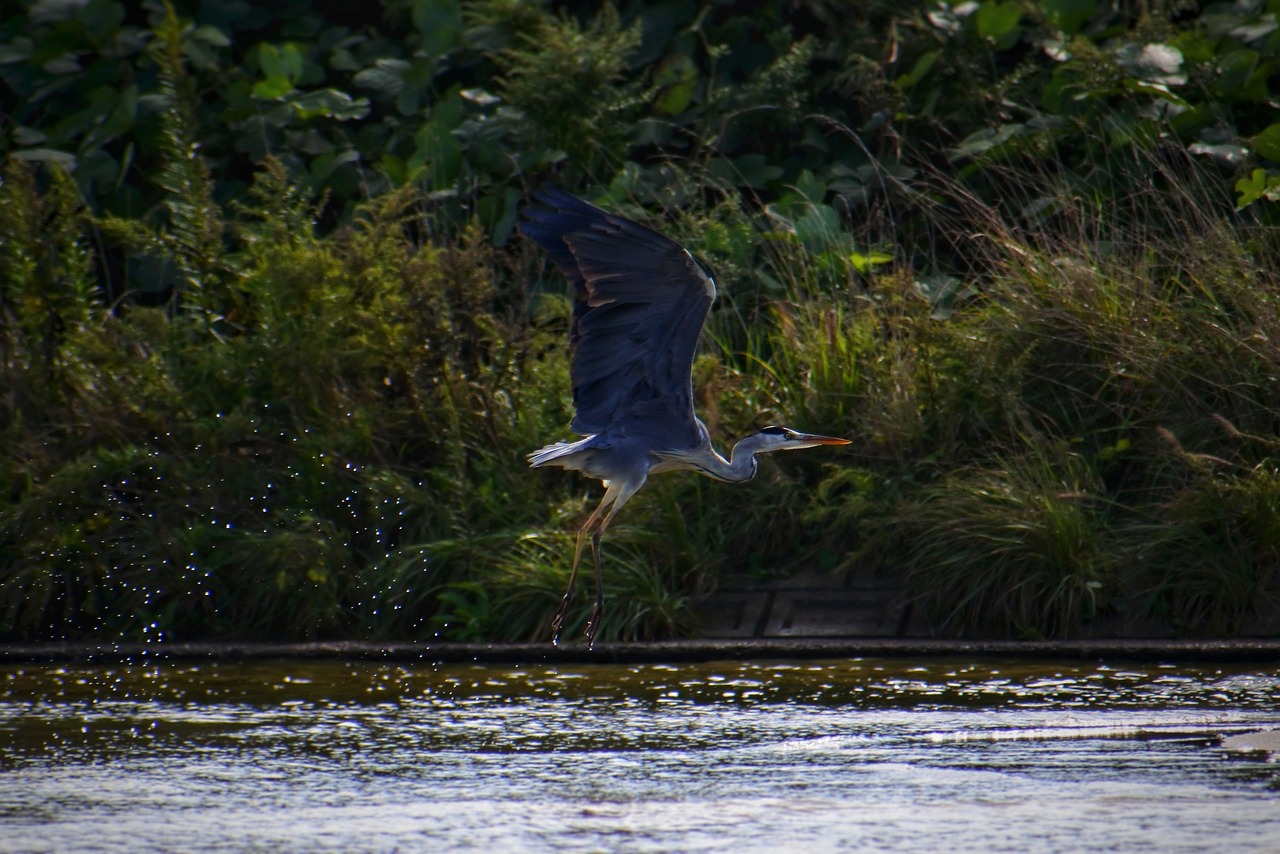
{"type": "Point", "coordinates": [124, 114]}
{"type": "Point", "coordinates": [53, 11]}
{"type": "Point", "coordinates": [1069, 15]}
{"type": "Point", "coordinates": [18, 50]}
{"type": "Point", "coordinates": [273, 88]}
{"type": "Point", "coordinates": [480, 97]}
{"type": "Point", "coordinates": [864, 261]}
{"type": "Point", "coordinates": [819, 228]}
{"type": "Point", "coordinates": [984, 140]}
{"type": "Point", "coordinates": [385, 77]}
{"type": "Point", "coordinates": [324, 164]}
{"type": "Point", "coordinates": [395, 169]}
{"type": "Point", "coordinates": [97, 165]}
{"type": "Point", "coordinates": [1267, 143]}
{"type": "Point", "coordinates": [47, 155]}
{"type": "Point", "coordinates": [331, 103]}
{"type": "Point", "coordinates": [811, 187]}
{"type": "Point", "coordinates": [506, 223]}
{"type": "Point", "coordinates": [918, 71]}
{"type": "Point", "coordinates": [284, 62]}
{"type": "Point", "coordinates": [211, 36]}
{"type": "Point", "coordinates": [998, 22]}
{"type": "Point", "coordinates": [293, 61]}
{"type": "Point", "coordinates": [440, 23]}
{"type": "Point", "coordinates": [1159, 90]}
{"type": "Point", "coordinates": [24, 136]}
{"type": "Point", "coordinates": [677, 79]}
{"type": "Point", "coordinates": [416, 85]}
{"type": "Point", "coordinates": [1260, 184]}
{"type": "Point", "coordinates": [101, 19]}
{"type": "Point", "coordinates": [438, 152]}
{"type": "Point", "coordinates": [1155, 63]}
{"type": "Point", "coordinates": [942, 293]}
{"type": "Point", "coordinates": [751, 170]}
{"type": "Point", "coordinates": [270, 61]}
{"type": "Point", "coordinates": [1226, 153]}
{"type": "Point", "coordinates": [202, 56]}
{"type": "Point", "coordinates": [1235, 69]}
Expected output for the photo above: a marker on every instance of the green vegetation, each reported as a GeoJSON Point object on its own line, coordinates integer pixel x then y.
{"type": "Point", "coordinates": [271, 353]}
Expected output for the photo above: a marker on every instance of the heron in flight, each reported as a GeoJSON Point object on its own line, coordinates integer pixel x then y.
{"type": "Point", "coordinates": [639, 303]}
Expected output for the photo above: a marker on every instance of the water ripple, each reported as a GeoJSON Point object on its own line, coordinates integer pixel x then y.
{"type": "Point", "coordinates": [864, 754]}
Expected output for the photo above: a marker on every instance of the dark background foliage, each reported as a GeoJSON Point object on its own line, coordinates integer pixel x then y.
{"type": "Point", "coordinates": [272, 351]}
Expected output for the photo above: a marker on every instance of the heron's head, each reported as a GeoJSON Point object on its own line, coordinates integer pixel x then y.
{"type": "Point", "coordinates": [771, 439]}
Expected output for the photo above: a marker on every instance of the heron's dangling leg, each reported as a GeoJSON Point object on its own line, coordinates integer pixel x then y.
{"type": "Point", "coordinates": [597, 610]}
{"type": "Point", "coordinates": [588, 526]}
{"type": "Point", "coordinates": [615, 495]}
{"type": "Point", "coordinates": [557, 623]}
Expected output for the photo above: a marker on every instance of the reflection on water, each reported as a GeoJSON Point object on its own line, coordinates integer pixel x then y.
{"type": "Point", "coordinates": [864, 754]}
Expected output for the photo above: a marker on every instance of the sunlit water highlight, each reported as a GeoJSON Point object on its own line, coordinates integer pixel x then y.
{"type": "Point", "coordinates": [833, 755]}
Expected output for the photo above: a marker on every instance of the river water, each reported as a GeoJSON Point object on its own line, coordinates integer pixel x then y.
{"type": "Point", "coordinates": [872, 754]}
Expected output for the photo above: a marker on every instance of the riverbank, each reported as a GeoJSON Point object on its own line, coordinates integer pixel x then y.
{"type": "Point", "coordinates": [1183, 651]}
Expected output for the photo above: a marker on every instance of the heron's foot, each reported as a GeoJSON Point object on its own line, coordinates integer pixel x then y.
{"type": "Point", "coordinates": [557, 622]}
{"type": "Point", "coordinates": [593, 623]}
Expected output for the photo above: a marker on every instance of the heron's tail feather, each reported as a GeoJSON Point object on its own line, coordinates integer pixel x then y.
{"type": "Point", "coordinates": [557, 452]}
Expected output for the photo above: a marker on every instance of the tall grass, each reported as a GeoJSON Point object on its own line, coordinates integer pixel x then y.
{"type": "Point", "coordinates": [1117, 348]}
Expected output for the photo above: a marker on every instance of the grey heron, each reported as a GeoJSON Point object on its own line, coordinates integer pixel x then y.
{"type": "Point", "coordinates": [639, 304]}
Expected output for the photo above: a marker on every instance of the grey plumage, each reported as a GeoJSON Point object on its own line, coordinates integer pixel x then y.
{"type": "Point", "coordinates": [639, 304]}
{"type": "Point", "coordinates": [640, 301]}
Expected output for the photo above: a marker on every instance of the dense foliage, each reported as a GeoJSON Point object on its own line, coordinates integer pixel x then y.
{"type": "Point", "coordinates": [271, 352]}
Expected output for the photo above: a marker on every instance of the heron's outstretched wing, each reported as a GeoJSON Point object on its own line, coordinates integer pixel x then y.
{"type": "Point", "coordinates": [640, 301]}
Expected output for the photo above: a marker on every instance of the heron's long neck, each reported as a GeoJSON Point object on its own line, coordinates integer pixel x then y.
{"type": "Point", "coordinates": [741, 465]}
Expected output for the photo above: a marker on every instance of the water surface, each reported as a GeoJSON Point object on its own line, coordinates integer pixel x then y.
{"type": "Point", "coordinates": [826, 755]}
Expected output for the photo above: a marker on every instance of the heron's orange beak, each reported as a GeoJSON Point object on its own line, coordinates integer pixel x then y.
{"type": "Point", "coordinates": [814, 439]}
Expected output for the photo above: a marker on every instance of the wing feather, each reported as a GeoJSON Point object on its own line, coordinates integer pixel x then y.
{"type": "Point", "coordinates": [640, 301]}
